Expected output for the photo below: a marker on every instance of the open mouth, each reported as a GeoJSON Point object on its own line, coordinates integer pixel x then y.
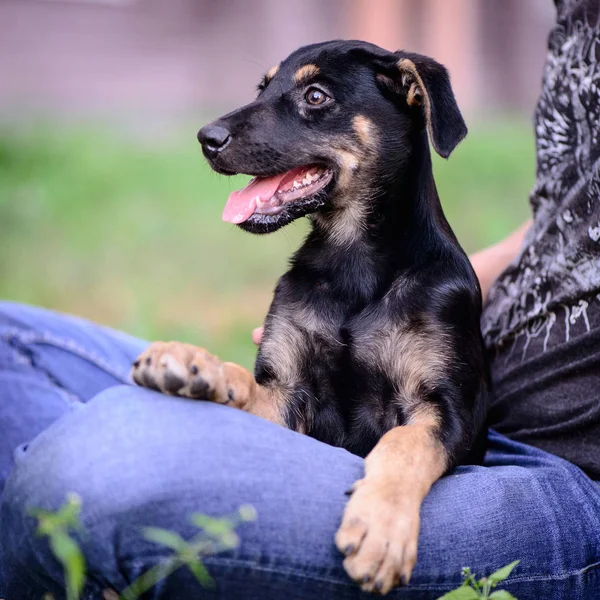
{"type": "Point", "coordinates": [272, 195]}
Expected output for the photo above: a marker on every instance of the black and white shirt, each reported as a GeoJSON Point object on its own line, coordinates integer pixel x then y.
{"type": "Point", "coordinates": [557, 275]}
{"type": "Point", "coordinates": [541, 322]}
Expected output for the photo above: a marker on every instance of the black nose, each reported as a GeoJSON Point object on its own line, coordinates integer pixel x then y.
{"type": "Point", "coordinates": [214, 139]}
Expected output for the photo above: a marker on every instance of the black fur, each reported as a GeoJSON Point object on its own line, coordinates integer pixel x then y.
{"type": "Point", "coordinates": [401, 270]}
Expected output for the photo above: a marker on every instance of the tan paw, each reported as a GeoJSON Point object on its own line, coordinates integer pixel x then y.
{"type": "Point", "coordinates": [181, 370]}
{"type": "Point", "coordinates": [378, 535]}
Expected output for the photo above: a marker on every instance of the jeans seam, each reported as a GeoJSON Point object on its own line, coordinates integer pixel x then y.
{"type": "Point", "coordinates": [68, 397]}
{"type": "Point", "coordinates": [557, 577]}
{"type": "Point", "coordinates": [33, 337]}
{"type": "Point", "coordinates": [332, 579]}
{"type": "Point", "coordinates": [422, 586]}
{"type": "Point", "coordinates": [248, 564]}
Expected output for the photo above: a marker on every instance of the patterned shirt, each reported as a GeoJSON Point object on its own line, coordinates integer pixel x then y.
{"type": "Point", "coordinates": [556, 277]}
{"type": "Point", "coordinates": [541, 322]}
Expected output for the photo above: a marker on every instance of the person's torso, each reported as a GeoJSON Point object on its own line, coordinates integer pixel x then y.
{"type": "Point", "coordinates": [541, 322]}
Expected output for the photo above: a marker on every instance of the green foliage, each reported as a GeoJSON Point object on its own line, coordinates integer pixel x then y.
{"type": "Point", "coordinates": [215, 535]}
{"type": "Point", "coordinates": [56, 526]}
{"type": "Point", "coordinates": [473, 589]}
{"type": "Point", "coordinates": [503, 573]}
{"type": "Point", "coordinates": [462, 593]}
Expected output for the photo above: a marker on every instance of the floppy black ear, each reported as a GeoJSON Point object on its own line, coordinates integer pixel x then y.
{"type": "Point", "coordinates": [426, 83]}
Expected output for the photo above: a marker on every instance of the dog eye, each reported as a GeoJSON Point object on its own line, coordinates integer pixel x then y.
{"type": "Point", "coordinates": [316, 97]}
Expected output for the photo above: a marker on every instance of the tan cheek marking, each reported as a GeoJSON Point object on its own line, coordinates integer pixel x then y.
{"type": "Point", "coordinates": [364, 128]}
{"type": "Point", "coordinates": [306, 72]}
{"type": "Point", "coordinates": [351, 199]}
{"type": "Point", "coordinates": [348, 222]}
{"type": "Point", "coordinates": [272, 72]}
{"type": "Point", "coordinates": [348, 162]}
{"type": "Point", "coordinates": [347, 225]}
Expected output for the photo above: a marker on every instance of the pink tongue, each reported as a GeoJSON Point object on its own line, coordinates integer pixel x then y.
{"type": "Point", "coordinates": [242, 203]}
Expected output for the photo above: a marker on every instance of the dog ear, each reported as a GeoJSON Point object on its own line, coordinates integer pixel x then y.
{"type": "Point", "coordinates": [424, 84]}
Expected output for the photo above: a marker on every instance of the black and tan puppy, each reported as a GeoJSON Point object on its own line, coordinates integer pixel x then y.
{"type": "Point", "coordinates": [372, 341]}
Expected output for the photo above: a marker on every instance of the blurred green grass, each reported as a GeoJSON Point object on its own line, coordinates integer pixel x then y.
{"type": "Point", "coordinates": [127, 231]}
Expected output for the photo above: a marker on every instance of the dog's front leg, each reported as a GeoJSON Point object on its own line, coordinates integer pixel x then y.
{"type": "Point", "coordinates": [184, 370]}
{"type": "Point", "coordinates": [380, 526]}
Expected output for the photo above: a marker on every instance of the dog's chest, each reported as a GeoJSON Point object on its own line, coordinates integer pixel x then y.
{"type": "Point", "coordinates": [328, 342]}
{"type": "Point", "coordinates": [304, 342]}
{"type": "Point", "coordinates": [366, 366]}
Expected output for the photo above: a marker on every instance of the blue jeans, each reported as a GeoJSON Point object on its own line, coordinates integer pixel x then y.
{"type": "Point", "coordinates": [71, 422]}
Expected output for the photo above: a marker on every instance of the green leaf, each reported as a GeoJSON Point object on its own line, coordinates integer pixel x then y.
{"type": "Point", "coordinates": [230, 539]}
{"type": "Point", "coordinates": [70, 512]}
{"type": "Point", "coordinates": [46, 524]}
{"type": "Point", "coordinates": [502, 595]}
{"type": "Point", "coordinates": [216, 528]}
{"type": "Point", "coordinates": [461, 593]}
{"type": "Point", "coordinates": [503, 573]}
{"type": "Point", "coordinates": [201, 574]}
{"type": "Point", "coordinates": [68, 553]}
{"type": "Point", "coordinates": [164, 537]}
{"type": "Point", "coordinates": [66, 517]}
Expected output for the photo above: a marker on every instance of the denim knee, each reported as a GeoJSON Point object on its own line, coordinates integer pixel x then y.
{"type": "Point", "coordinates": [138, 458]}
{"type": "Point", "coordinates": [109, 451]}
{"type": "Point", "coordinates": [123, 454]}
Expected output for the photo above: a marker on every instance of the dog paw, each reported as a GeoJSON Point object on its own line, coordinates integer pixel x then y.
{"type": "Point", "coordinates": [181, 370]}
{"type": "Point", "coordinates": [378, 536]}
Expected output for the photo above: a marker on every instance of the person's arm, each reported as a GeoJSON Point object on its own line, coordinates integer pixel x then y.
{"type": "Point", "coordinates": [490, 262]}
{"type": "Point", "coordinates": [257, 335]}
{"type": "Point", "coordinates": [487, 263]}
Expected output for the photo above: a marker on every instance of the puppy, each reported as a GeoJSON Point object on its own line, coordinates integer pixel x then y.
{"type": "Point", "coordinates": [372, 341]}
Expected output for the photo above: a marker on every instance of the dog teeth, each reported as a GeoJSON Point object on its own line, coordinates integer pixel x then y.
{"type": "Point", "coordinates": [259, 202]}
{"type": "Point", "coordinates": [309, 177]}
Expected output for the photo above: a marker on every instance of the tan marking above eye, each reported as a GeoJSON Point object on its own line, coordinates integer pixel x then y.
{"type": "Point", "coordinates": [306, 72]}
{"type": "Point", "coordinates": [272, 72]}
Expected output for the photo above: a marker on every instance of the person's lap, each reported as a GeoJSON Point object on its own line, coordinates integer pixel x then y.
{"type": "Point", "coordinates": [138, 458]}
{"type": "Point", "coordinates": [50, 364]}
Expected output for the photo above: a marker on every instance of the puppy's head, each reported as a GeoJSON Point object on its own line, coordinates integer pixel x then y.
{"type": "Point", "coordinates": [331, 122]}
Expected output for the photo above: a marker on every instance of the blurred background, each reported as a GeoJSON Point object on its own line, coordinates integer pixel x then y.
{"type": "Point", "coordinates": [107, 209]}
